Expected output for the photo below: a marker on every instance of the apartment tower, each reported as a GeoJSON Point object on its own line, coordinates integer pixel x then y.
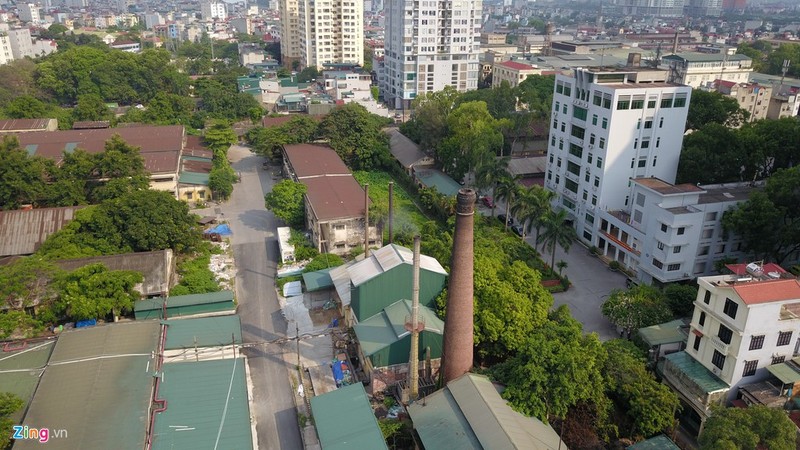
{"type": "Point", "coordinates": [430, 44]}
{"type": "Point", "coordinates": [609, 127]}
{"type": "Point", "coordinates": [331, 32]}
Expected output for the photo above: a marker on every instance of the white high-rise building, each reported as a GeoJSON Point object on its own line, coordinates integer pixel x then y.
{"type": "Point", "coordinates": [608, 127]}
{"type": "Point", "coordinates": [29, 12]}
{"type": "Point", "coordinates": [429, 45]}
{"type": "Point", "coordinates": [212, 10]}
{"type": "Point", "coordinates": [21, 42]}
{"type": "Point", "coordinates": [290, 32]}
{"type": "Point", "coordinates": [700, 8]}
{"type": "Point", "coordinates": [331, 31]}
{"type": "Point", "coordinates": [6, 55]}
{"type": "Point", "coordinates": [658, 8]}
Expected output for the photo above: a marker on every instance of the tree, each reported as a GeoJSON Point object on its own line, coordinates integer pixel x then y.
{"type": "Point", "coordinates": [324, 261]}
{"type": "Point", "coordinates": [712, 107]}
{"type": "Point", "coordinates": [357, 136]}
{"type": "Point", "coordinates": [26, 280]}
{"type": "Point", "coordinates": [286, 201]}
{"type": "Point", "coordinates": [557, 368]}
{"type": "Point", "coordinates": [490, 172]}
{"type": "Point", "coordinates": [472, 132]}
{"type": "Point", "coordinates": [428, 124]}
{"type": "Point", "coordinates": [500, 101]}
{"type": "Point", "coordinates": [308, 74]}
{"type": "Point", "coordinates": [270, 140]}
{"type": "Point", "coordinates": [9, 404]}
{"type": "Point", "coordinates": [561, 266]}
{"type": "Point", "coordinates": [26, 107]}
{"type": "Point", "coordinates": [769, 221]}
{"type": "Point", "coordinates": [749, 428]}
{"type": "Point", "coordinates": [90, 107]}
{"type": "Point", "coordinates": [167, 109]}
{"type": "Point", "coordinates": [535, 93]}
{"type": "Point", "coordinates": [508, 189]}
{"type": "Point", "coordinates": [22, 179]}
{"type": "Point", "coordinates": [556, 232]}
{"type": "Point", "coordinates": [713, 154]}
{"type": "Point", "coordinates": [221, 180]}
{"type": "Point", "coordinates": [220, 136]}
{"type": "Point", "coordinates": [531, 207]}
{"type": "Point", "coordinates": [680, 299]}
{"type": "Point", "coordinates": [94, 292]}
{"type": "Point", "coordinates": [637, 307]}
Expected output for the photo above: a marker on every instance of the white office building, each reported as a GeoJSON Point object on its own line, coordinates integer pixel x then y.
{"type": "Point", "coordinates": [609, 127]}
{"type": "Point", "coordinates": [29, 12]}
{"type": "Point", "coordinates": [331, 32]}
{"type": "Point", "coordinates": [669, 232]}
{"type": "Point", "coordinates": [657, 8]}
{"type": "Point", "coordinates": [213, 10]}
{"type": "Point", "coordinates": [701, 69]}
{"type": "Point", "coordinates": [745, 327]}
{"type": "Point", "coordinates": [430, 44]}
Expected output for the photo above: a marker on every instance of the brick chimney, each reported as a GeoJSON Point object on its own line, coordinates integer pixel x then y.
{"type": "Point", "coordinates": [458, 332]}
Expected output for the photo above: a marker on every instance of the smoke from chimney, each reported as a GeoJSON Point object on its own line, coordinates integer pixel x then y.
{"type": "Point", "coordinates": [458, 331]}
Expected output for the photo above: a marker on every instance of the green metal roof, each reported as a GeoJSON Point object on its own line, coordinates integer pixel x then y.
{"type": "Point", "coordinates": [665, 333]}
{"type": "Point", "coordinates": [784, 372]}
{"type": "Point", "coordinates": [659, 442]}
{"type": "Point", "coordinates": [97, 375]}
{"type": "Point", "coordinates": [344, 420]}
{"type": "Point", "coordinates": [207, 406]}
{"type": "Point", "coordinates": [27, 365]}
{"type": "Point", "coordinates": [203, 332]}
{"type": "Point", "coordinates": [196, 158]}
{"type": "Point", "coordinates": [388, 326]}
{"type": "Point", "coordinates": [317, 280]}
{"type": "Point", "coordinates": [193, 178]}
{"type": "Point", "coordinates": [151, 304]}
{"type": "Point", "coordinates": [434, 178]}
{"type": "Point", "coordinates": [707, 57]}
{"type": "Point", "coordinates": [697, 372]}
{"type": "Point", "coordinates": [469, 413]}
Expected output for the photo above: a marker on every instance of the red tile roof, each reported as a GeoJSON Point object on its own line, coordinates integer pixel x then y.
{"type": "Point", "coordinates": [756, 292]}
{"type": "Point", "coordinates": [513, 65]}
{"type": "Point", "coordinates": [338, 197]}
{"type": "Point", "coordinates": [308, 161]}
{"type": "Point", "coordinates": [741, 269]}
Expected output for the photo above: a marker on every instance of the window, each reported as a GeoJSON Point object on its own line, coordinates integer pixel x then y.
{"type": "Point", "coordinates": [673, 267]}
{"type": "Point", "coordinates": [703, 251]}
{"type": "Point", "coordinates": [651, 103]}
{"type": "Point", "coordinates": [571, 185]}
{"type": "Point", "coordinates": [568, 203]}
{"type": "Point", "coordinates": [607, 101]}
{"type": "Point", "coordinates": [664, 227]}
{"type": "Point", "coordinates": [648, 124]}
{"type": "Point", "coordinates": [597, 99]}
{"type": "Point", "coordinates": [757, 342]}
{"type": "Point", "coordinates": [696, 345]}
{"type": "Point", "coordinates": [660, 245]}
{"type": "Point", "coordinates": [640, 198]}
{"type": "Point", "coordinates": [559, 88]}
{"type": "Point", "coordinates": [637, 216]}
{"type": "Point", "coordinates": [558, 162]}
{"type": "Point", "coordinates": [553, 141]}
{"type": "Point", "coordinates": [558, 106]}
{"type": "Point", "coordinates": [599, 162]}
{"type": "Point", "coordinates": [666, 101]}
{"type": "Point", "coordinates": [585, 195]}
{"type": "Point", "coordinates": [573, 168]}
{"type": "Point", "coordinates": [596, 181]}
{"type": "Point", "coordinates": [681, 230]}
{"type": "Point", "coordinates": [707, 297]}
{"type": "Point", "coordinates": [658, 264]}
{"type": "Point", "coordinates": [655, 158]}
{"type": "Point", "coordinates": [661, 123]}
{"type": "Point", "coordinates": [750, 368]}
{"type": "Point", "coordinates": [594, 200]}
{"type": "Point", "coordinates": [778, 359]}
{"type": "Point", "coordinates": [680, 101]}
{"type": "Point", "coordinates": [707, 234]}
{"type": "Point", "coordinates": [645, 143]}
{"type": "Point", "coordinates": [201, 194]}
{"type": "Point", "coordinates": [555, 124]}
{"type": "Point", "coordinates": [710, 217]}
{"type": "Point", "coordinates": [591, 139]}
{"type": "Point", "coordinates": [725, 334]}
{"type": "Point", "coordinates": [594, 119]}
{"type": "Point", "coordinates": [602, 142]}
{"type": "Point", "coordinates": [576, 150]}
{"type": "Point", "coordinates": [784, 337]}
{"type": "Point", "coordinates": [589, 218]}
{"type": "Point", "coordinates": [624, 102]}
{"type": "Point", "coordinates": [702, 320]}
{"type": "Point", "coordinates": [188, 196]}
{"type": "Point", "coordinates": [642, 162]}
{"type": "Point", "coordinates": [676, 249]}
{"type": "Point", "coordinates": [637, 103]}
{"type": "Point", "coordinates": [730, 308]}
{"type": "Point", "coordinates": [605, 123]}
{"type": "Point", "coordinates": [578, 132]}
{"type": "Point", "coordinates": [718, 360]}
{"type": "Point", "coordinates": [658, 142]}
{"type": "Point", "coordinates": [579, 113]}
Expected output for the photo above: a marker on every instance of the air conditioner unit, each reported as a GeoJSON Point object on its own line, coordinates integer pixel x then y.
{"type": "Point", "coordinates": [715, 370]}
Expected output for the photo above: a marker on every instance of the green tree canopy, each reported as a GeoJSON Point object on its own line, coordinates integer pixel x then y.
{"type": "Point", "coordinates": [473, 132]}
{"type": "Point", "coordinates": [219, 136]}
{"type": "Point", "coordinates": [94, 292]}
{"type": "Point", "coordinates": [268, 141]}
{"type": "Point", "coordinates": [712, 107]}
{"type": "Point", "coordinates": [27, 107]}
{"type": "Point", "coordinates": [428, 125]}
{"type": "Point", "coordinates": [357, 136]}
{"type": "Point", "coordinates": [287, 203]}
{"type": "Point", "coordinates": [637, 307]}
{"type": "Point", "coordinates": [680, 299]}
{"type": "Point", "coordinates": [749, 428]}
{"type": "Point", "coordinates": [91, 107]}
{"type": "Point", "coordinates": [22, 179]}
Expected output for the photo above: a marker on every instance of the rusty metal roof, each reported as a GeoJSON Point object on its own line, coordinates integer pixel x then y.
{"type": "Point", "coordinates": [12, 125]}
{"type": "Point", "coordinates": [90, 124]}
{"type": "Point", "coordinates": [337, 197]}
{"type": "Point", "coordinates": [308, 160]}
{"type": "Point", "coordinates": [22, 232]}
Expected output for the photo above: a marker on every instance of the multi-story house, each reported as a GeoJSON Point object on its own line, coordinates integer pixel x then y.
{"type": "Point", "coordinates": [430, 44]}
{"type": "Point", "coordinates": [21, 43]}
{"type": "Point", "coordinates": [608, 127]}
{"type": "Point", "coordinates": [29, 12]}
{"type": "Point", "coordinates": [752, 97]}
{"type": "Point", "coordinates": [669, 232]}
{"type": "Point", "coordinates": [6, 54]}
{"type": "Point", "coordinates": [785, 102]}
{"type": "Point", "coordinates": [512, 72]}
{"type": "Point", "coordinates": [700, 69]}
{"type": "Point", "coordinates": [290, 32]}
{"type": "Point", "coordinates": [213, 10]}
{"type": "Point", "coordinates": [742, 324]}
{"type": "Point", "coordinates": [331, 32]}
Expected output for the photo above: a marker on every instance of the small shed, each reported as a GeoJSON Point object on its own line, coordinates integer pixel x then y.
{"type": "Point", "coordinates": [286, 249]}
{"type": "Point", "coordinates": [345, 421]}
{"type": "Point", "coordinates": [665, 338]}
{"type": "Point", "coordinates": [211, 303]}
{"type": "Point", "coordinates": [385, 341]}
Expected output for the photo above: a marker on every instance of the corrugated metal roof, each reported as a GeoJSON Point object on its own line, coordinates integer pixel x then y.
{"type": "Point", "coordinates": [695, 371]}
{"type": "Point", "coordinates": [11, 125]}
{"type": "Point", "coordinates": [203, 332]}
{"type": "Point", "coordinates": [308, 160]}
{"type": "Point", "coordinates": [386, 258]}
{"type": "Point", "coordinates": [438, 179]}
{"type": "Point", "coordinates": [317, 280]}
{"type": "Point", "coordinates": [665, 333]}
{"type": "Point", "coordinates": [156, 267]}
{"type": "Point", "coordinates": [469, 413]}
{"type": "Point", "coordinates": [659, 442]}
{"type": "Point", "coordinates": [200, 299]}
{"type": "Point", "coordinates": [784, 372]}
{"type": "Point", "coordinates": [207, 404]}
{"type": "Point", "coordinates": [87, 367]}
{"type": "Point", "coordinates": [341, 281]}
{"type": "Point", "coordinates": [335, 197]}
{"type": "Point", "coordinates": [388, 326]}
{"type": "Point", "coordinates": [22, 232]}
{"type": "Point", "coordinates": [527, 166]}
{"type": "Point", "coordinates": [200, 179]}
{"type": "Point", "coordinates": [404, 149]}
{"type": "Point", "coordinates": [345, 421]}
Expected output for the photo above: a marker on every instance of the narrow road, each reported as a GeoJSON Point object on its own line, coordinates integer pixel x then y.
{"type": "Point", "coordinates": [255, 249]}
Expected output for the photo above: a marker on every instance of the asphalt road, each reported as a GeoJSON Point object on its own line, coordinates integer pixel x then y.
{"type": "Point", "coordinates": [256, 250]}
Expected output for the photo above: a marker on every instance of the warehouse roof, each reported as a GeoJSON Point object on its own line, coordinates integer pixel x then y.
{"type": "Point", "coordinates": [469, 413]}
{"type": "Point", "coordinates": [386, 258]}
{"type": "Point", "coordinates": [208, 406]}
{"type": "Point", "coordinates": [23, 125]}
{"type": "Point", "coordinates": [203, 332]}
{"type": "Point", "coordinates": [151, 304]}
{"type": "Point", "coordinates": [337, 197]}
{"type": "Point", "coordinates": [156, 267]}
{"type": "Point", "coordinates": [388, 326]}
{"type": "Point", "coordinates": [20, 371]}
{"type": "Point", "coordinates": [434, 178]}
{"type": "Point", "coordinates": [23, 231]}
{"type": "Point", "coordinates": [344, 420]}
{"type": "Point", "coordinates": [404, 149]}
{"type": "Point", "coordinates": [307, 160]}
{"type": "Point", "coordinates": [97, 375]}
{"type": "Point", "coordinates": [659, 442]}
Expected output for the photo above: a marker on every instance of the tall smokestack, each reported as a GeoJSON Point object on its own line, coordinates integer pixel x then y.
{"type": "Point", "coordinates": [391, 212]}
{"type": "Point", "coordinates": [366, 221]}
{"type": "Point", "coordinates": [458, 338]}
{"type": "Point", "coordinates": [413, 364]}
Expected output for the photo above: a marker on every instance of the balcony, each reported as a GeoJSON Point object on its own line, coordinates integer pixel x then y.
{"type": "Point", "coordinates": [693, 381]}
{"type": "Point", "coordinates": [719, 345]}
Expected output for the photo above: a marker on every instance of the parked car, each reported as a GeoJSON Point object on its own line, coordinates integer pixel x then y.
{"type": "Point", "coordinates": [517, 229]}
{"type": "Point", "coordinates": [487, 201]}
{"type": "Point", "coordinates": [502, 218]}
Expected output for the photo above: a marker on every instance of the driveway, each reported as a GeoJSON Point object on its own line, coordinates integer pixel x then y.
{"type": "Point", "coordinates": [256, 250]}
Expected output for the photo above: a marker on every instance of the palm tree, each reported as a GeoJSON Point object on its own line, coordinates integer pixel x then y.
{"type": "Point", "coordinates": [490, 171]}
{"type": "Point", "coordinates": [561, 266]}
{"type": "Point", "coordinates": [532, 204]}
{"type": "Point", "coordinates": [507, 190]}
{"type": "Point", "coordinates": [557, 232]}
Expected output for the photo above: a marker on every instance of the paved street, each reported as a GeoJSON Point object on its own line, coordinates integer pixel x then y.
{"type": "Point", "coordinates": [255, 249]}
